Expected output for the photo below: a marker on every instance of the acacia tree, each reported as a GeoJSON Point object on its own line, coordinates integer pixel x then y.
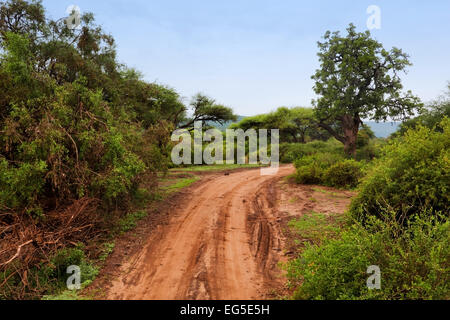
{"type": "Point", "coordinates": [295, 124]}
{"type": "Point", "coordinates": [303, 120]}
{"type": "Point", "coordinates": [206, 110]}
{"type": "Point", "coordinates": [359, 79]}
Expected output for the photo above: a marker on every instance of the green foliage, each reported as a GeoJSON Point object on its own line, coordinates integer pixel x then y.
{"type": "Point", "coordinates": [57, 269]}
{"type": "Point", "coordinates": [129, 222]}
{"type": "Point", "coordinates": [371, 150]}
{"type": "Point", "coordinates": [312, 169]}
{"type": "Point", "coordinates": [74, 124]}
{"type": "Point", "coordinates": [108, 248]}
{"type": "Point", "coordinates": [55, 274]}
{"type": "Point", "coordinates": [343, 174]}
{"type": "Point", "coordinates": [429, 117]}
{"type": "Point", "coordinates": [309, 174]}
{"type": "Point", "coordinates": [50, 277]}
{"type": "Point", "coordinates": [122, 178]}
{"type": "Point", "coordinates": [20, 185]}
{"type": "Point", "coordinates": [152, 103]}
{"type": "Point", "coordinates": [413, 262]}
{"type": "Point", "coordinates": [66, 295]}
{"type": "Point", "coordinates": [16, 60]}
{"type": "Point", "coordinates": [73, 121]}
{"type": "Point", "coordinates": [183, 183]}
{"type": "Point", "coordinates": [322, 163]}
{"type": "Point", "coordinates": [413, 174]}
{"type": "Point", "coordinates": [365, 135]}
{"type": "Point", "coordinates": [293, 151]}
{"type": "Point", "coordinates": [207, 110]}
{"type": "Point", "coordinates": [296, 125]}
{"type": "Point", "coordinates": [314, 228]}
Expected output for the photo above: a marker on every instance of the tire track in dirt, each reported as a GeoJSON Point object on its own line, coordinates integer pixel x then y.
{"type": "Point", "coordinates": [223, 243]}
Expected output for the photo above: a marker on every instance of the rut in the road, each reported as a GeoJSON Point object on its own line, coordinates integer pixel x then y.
{"type": "Point", "coordinates": [221, 244]}
{"type": "Point", "coordinates": [263, 228]}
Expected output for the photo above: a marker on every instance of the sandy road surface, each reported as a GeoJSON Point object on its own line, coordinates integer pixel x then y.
{"type": "Point", "coordinates": [222, 243]}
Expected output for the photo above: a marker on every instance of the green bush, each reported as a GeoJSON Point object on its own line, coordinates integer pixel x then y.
{"type": "Point", "coordinates": [413, 174]}
{"type": "Point", "coordinates": [343, 174]}
{"type": "Point", "coordinates": [368, 148]}
{"type": "Point", "coordinates": [56, 270]}
{"type": "Point", "coordinates": [55, 274]}
{"type": "Point", "coordinates": [370, 151]}
{"type": "Point", "coordinates": [49, 277]}
{"type": "Point", "coordinates": [290, 152]}
{"type": "Point", "coordinates": [76, 126]}
{"type": "Point", "coordinates": [311, 169]}
{"type": "Point", "coordinates": [324, 163]}
{"type": "Point", "coordinates": [309, 174]}
{"type": "Point", "coordinates": [130, 221]}
{"type": "Point", "coordinates": [20, 185]}
{"type": "Point", "coordinates": [414, 262]}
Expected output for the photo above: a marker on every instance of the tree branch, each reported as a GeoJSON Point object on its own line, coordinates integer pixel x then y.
{"type": "Point", "coordinates": [331, 131]}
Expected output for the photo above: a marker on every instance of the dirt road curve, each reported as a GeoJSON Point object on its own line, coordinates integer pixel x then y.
{"type": "Point", "coordinates": [222, 243]}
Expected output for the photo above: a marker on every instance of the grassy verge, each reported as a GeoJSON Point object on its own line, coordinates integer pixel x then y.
{"type": "Point", "coordinates": [313, 228]}
{"type": "Point", "coordinates": [218, 167]}
{"type": "Point", "coordinates": [178, 184]}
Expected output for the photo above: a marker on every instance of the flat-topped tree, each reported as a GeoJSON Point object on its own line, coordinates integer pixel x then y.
{"type": "Point", "coordinates": [208, 111]}
{"type": "Point", "coordinates": [359, 79]}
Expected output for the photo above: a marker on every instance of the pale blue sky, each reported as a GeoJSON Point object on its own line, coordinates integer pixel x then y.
{"type": "Point", "coordinates": [257, 55]}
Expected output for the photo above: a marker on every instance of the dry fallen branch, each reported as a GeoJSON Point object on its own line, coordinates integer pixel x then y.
{"type": "Point", "coordinates": [19, 248]}
{"type": "Point", "coordinates": [26, 243]}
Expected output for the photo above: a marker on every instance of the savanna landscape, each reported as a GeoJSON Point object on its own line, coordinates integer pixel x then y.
{"type": "Point", "coordinates": [88, 180]}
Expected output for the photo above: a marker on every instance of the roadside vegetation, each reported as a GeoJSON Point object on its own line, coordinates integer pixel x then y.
{"type": "Point", "coordinates": [398, 220]}
{"type": "Point", "coordinates": [82, 140]}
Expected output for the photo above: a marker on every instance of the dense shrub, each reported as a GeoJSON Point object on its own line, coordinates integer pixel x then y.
{"type": "Point", "coordinates": [414, 262]}
{"type": "Point", "coordinates": [289, 152]}
{"type": "Point", "coordinates": [409, 180]}
{"type": "Point", "coordinates": [370, 151]}
{"type": "Point", "coordinates": [368, 148]}
{"type": "Point", "coordinates": [413, 174]}
{"type": "Point", "coordinates": [57, 268]}
{"type": "Point", "coordinates": [309, 174]}
{"type": "Point", "coordinates": [19, 185]}
{"type": "Point", "coordinates": [311, 169]}
{"type": "Point", "coordinates": [430, 116]}
{"type": "Point", "coordinates": [343, 174]}
{"type": "Point", "coordinates": [50, 276]}
{"type": "Point", "coordinates": [79, 132]}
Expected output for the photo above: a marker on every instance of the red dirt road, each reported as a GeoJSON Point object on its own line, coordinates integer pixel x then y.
{"type": "Point", "coordinates": [222, 244]}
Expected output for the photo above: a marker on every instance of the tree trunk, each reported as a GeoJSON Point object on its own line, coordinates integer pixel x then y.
{"type": "Point", "coordinates": [294, 137]}
{"type": "Point", "coordinates": [350, 126]}
{"type": "Point", "coordinates": [303, 138]}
